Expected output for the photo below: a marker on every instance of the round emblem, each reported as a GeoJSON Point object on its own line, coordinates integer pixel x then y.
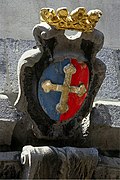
{"type": "Point", "coordinates": [62, 88]}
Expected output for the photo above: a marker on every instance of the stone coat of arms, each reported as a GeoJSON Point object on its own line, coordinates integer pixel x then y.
{"type": "Point", "coordinates": [60, 77]}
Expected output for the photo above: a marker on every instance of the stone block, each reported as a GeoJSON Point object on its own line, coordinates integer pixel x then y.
{"type": "Point", "coordinates": [110, 87]}
{"type": "Point", "coordinates": [8, 119]}
{"type": "Point", "coordinates": [104, 129]}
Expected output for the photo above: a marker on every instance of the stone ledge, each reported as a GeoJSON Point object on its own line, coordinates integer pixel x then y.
{"type": "Point", "coordinates": [105, 168]}
{"type": "Point", "coordinates": [68, 163]}
{"type": "Point", "coordinates": [58, 163]}
{"type": "Point", "coordinates": [10, 156]}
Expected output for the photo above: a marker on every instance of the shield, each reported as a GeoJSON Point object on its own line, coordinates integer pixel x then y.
{"type": "Point", "coordinates": [62, 88]}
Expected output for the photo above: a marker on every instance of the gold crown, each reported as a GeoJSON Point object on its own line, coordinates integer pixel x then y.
{"type": "Point", "coordinates": [78, 19]}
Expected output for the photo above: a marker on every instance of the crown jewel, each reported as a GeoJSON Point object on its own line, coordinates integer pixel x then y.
{"type": "Point", "coordinates": [78, 19]}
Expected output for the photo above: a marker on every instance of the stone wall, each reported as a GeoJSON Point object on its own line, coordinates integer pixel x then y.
{"type": "Point", "coordinates": [11, 50]}
{"type": "Point", "coordinates": [17, 18]}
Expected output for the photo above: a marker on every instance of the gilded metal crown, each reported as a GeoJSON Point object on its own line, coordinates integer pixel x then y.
{"type": "Point", "coordinates": [78, 19]}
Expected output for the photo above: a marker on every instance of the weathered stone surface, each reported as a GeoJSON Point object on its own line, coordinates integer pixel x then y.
{"type": "Point", "coordinates": [10, 52]}
{"type": "Point", "coordinates": [3, 70]}
{"type": "Point", "coordinates": [104, 129]}
{"type": "Point", "coordinates": [58, 163]}
{"type": "Point", "coordinates": [14, 50]}
{"type": "Point", "coordinates": [63, 163]}
{"type": "Point", "coordinates": [114, 111]}
{"type": "Point", "coordinates": [10, 167]}
{"type": "Point", "coordinates": [107, 168]}
{"type": "Point", "coordinates": [8, 119]}
{"type": "Point", "coordinates": [10, 156]}
{"type": "Point", "coordinates": [110, 87]}
{"type": "Point", "coordinates": [67, 163]}
{"type": "Point", "coordinates": [118, 69]}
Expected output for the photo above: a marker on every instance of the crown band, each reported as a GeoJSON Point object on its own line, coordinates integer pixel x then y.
{"type": "Point", "coordinates": [78, 19]}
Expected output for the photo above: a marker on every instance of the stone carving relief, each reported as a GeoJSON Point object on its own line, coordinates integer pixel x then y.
{"type": "Point", "coordinates": [60, 77]}
{"type": "Point", "coordinates": [58, 163]}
